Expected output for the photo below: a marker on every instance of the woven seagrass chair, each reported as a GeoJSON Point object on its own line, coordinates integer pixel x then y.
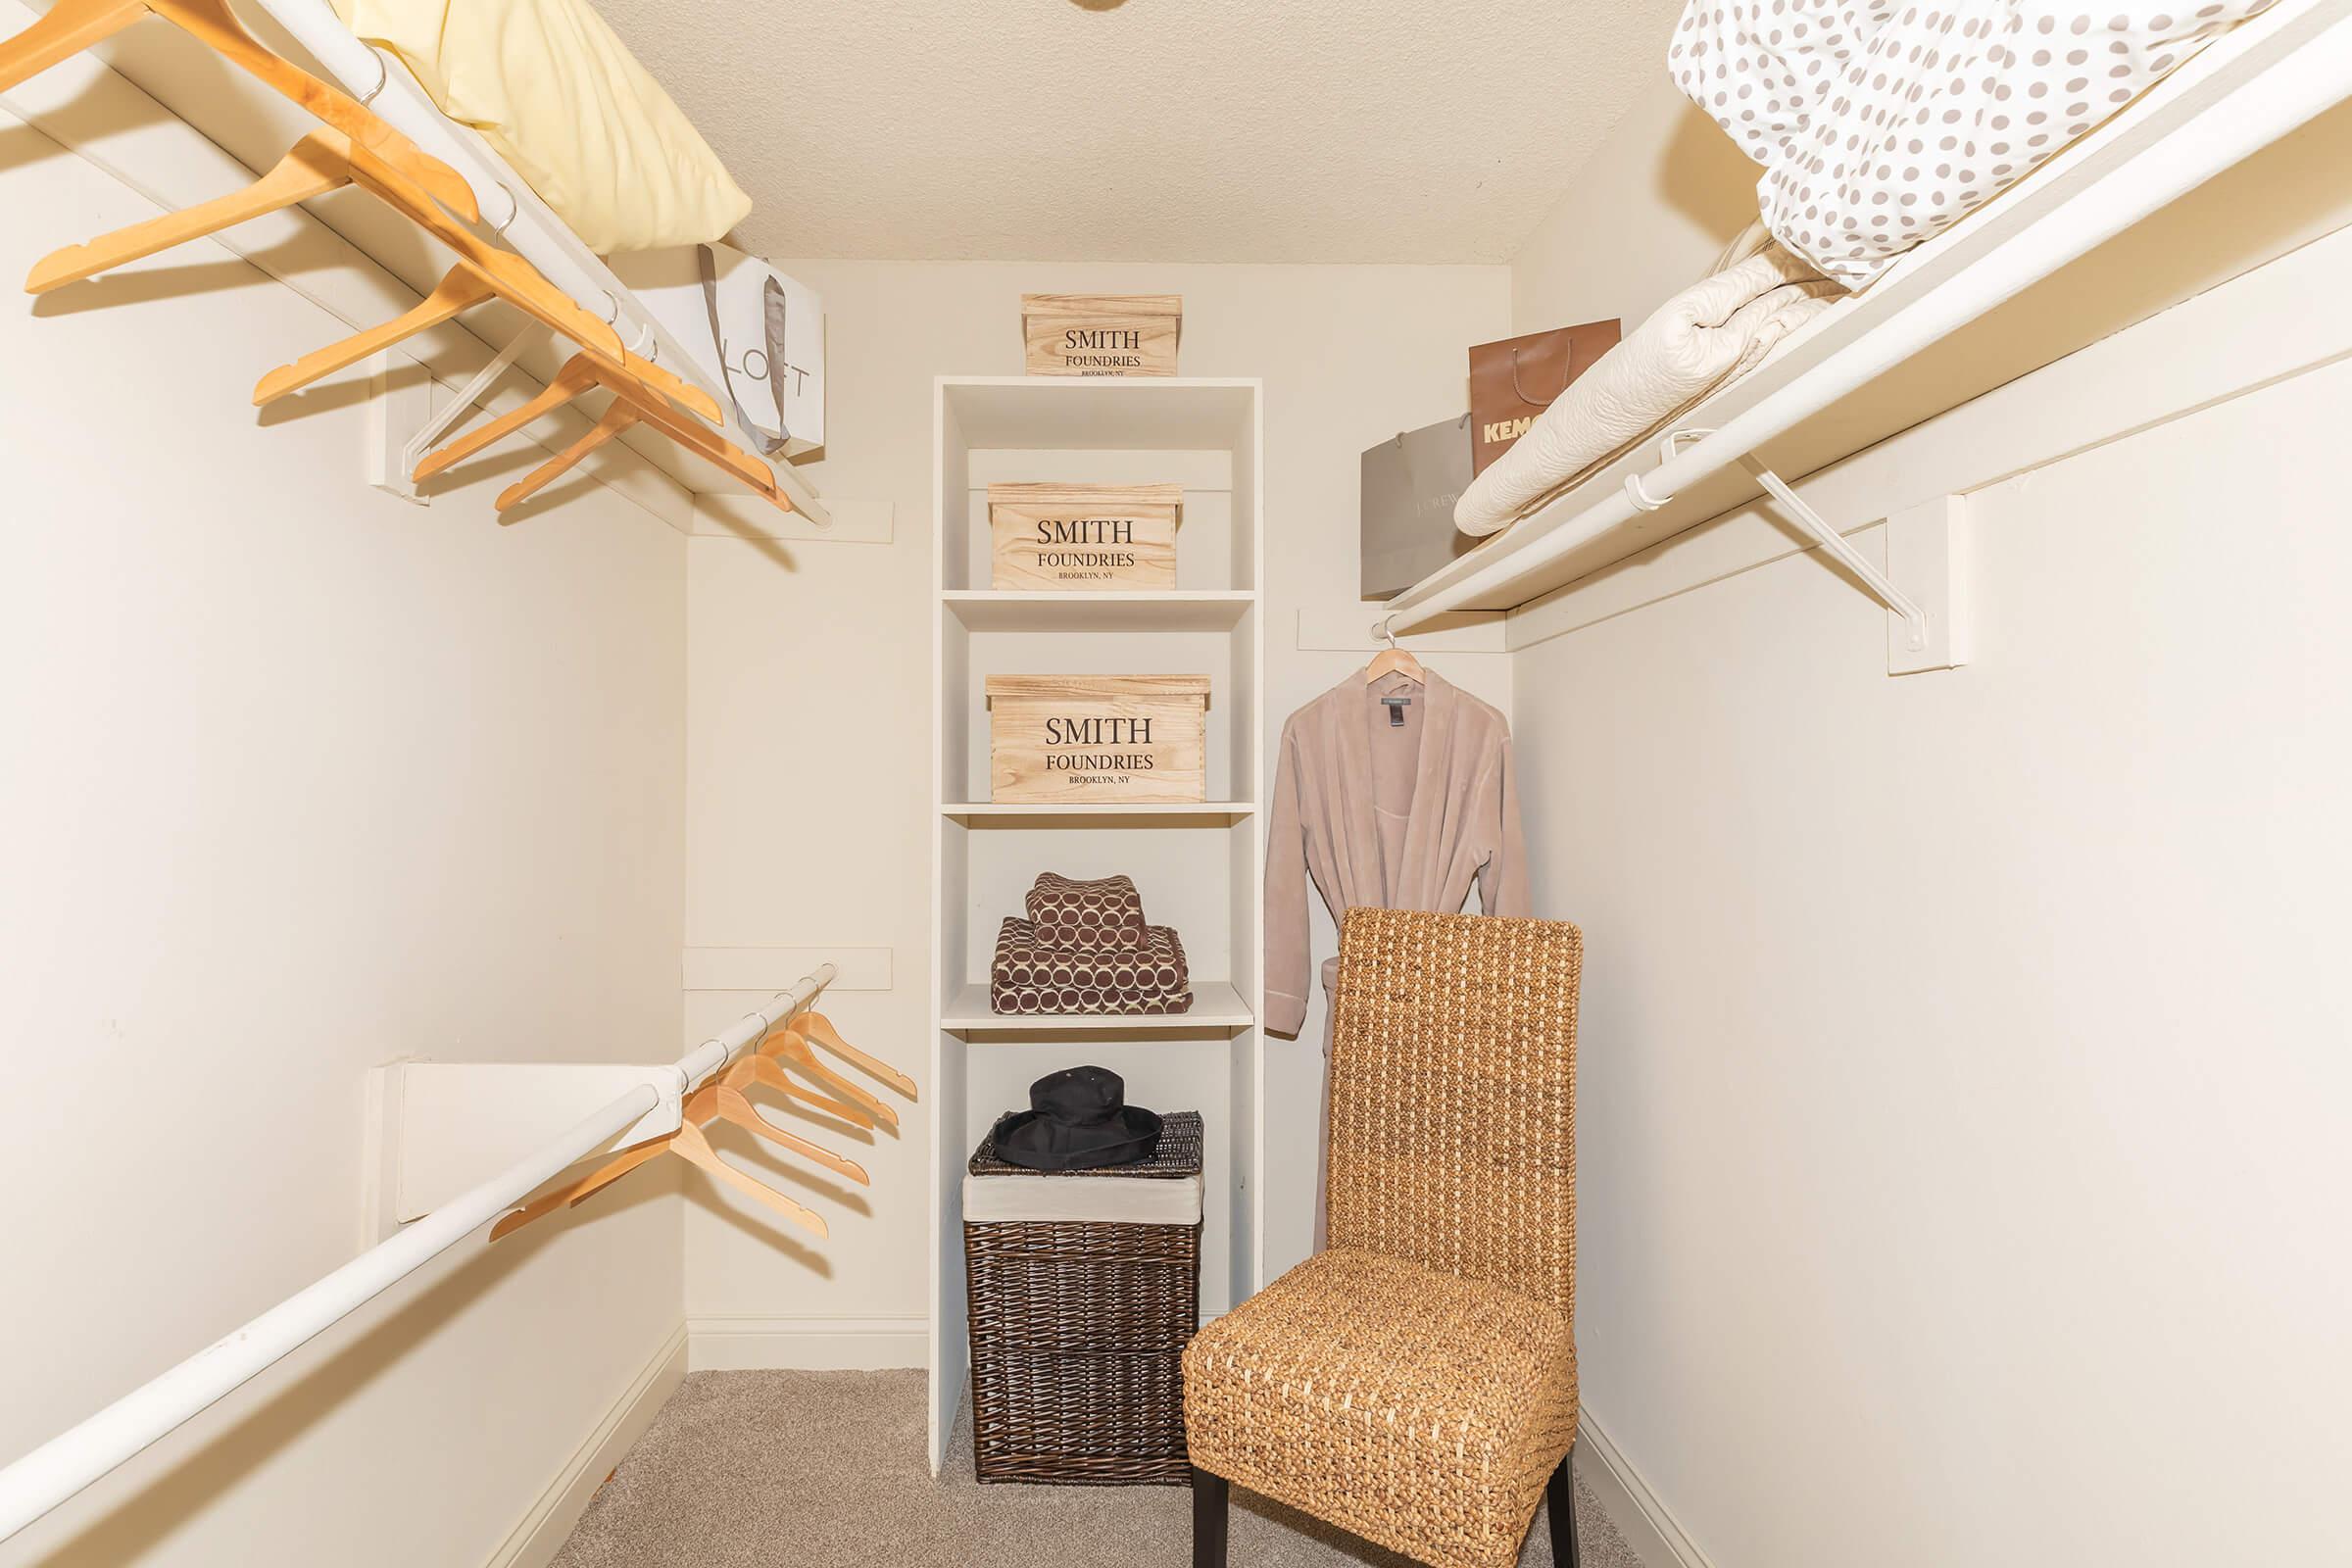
{"type": "Point", "coordinates": [1415, 1384]}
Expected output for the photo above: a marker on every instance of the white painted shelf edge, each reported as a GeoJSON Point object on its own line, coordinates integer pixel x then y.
{"type": "Point", "coordinates": [1216, 811]}
{"type": "Point", "coordinates": [1178, 610]}
{"type": "Point", "coordinates": [1216, 1005]}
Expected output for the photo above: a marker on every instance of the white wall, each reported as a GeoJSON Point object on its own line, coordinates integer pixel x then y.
{"type": "Point", "coordinates": [297, 779]}
{"type": "Point", "coordinates": [1961, 1061]}
{"type": "Point", "coordinates": [811, 692]}
{"type": "Point", "coordinates": [1962, 1074]}
{"type": "Point", "coordinates": [1645, 217]}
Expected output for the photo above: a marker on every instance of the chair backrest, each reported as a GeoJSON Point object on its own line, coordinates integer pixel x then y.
{"type": "Point", "coordinates": [1454, 1095]}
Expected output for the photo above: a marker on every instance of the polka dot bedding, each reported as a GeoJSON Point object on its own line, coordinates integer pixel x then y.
{"type": "Point", "coordinates": [1881, 122]}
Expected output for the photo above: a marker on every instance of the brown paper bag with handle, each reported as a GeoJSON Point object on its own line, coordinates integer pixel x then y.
{"type": "Point", "coordinates": [1514, 381]}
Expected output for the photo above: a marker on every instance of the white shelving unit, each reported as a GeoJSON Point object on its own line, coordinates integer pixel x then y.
{"type": "Point", "coordinates": [1200, 867]}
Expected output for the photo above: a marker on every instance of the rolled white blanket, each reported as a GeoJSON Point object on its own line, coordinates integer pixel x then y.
{"type": "Point", "coordinates": [1697, 342]}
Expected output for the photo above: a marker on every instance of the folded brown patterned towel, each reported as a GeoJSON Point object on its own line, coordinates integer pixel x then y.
{"type": "Point", "coordinates": [1105, 912]}
{"type": "Point", "coordinates": [1030, 976]}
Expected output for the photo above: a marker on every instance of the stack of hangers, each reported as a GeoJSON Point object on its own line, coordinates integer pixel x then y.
{"type": "Point", "coordinates": [787, 1049]}
{"type": "Point", "coordinates": [1085, 948]}
{"type": "Point", "coordinates": [357, 147]}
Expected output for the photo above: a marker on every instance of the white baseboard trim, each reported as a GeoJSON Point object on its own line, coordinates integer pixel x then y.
{"type": "Point", "coordinates": [737, 1343]}
{"type": "Point", "coordinates": [534, 1542]}
{"type": "Point", "coordinates": [1626, 1498]}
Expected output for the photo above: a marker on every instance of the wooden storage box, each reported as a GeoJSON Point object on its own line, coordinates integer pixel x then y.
{"type": "Point", "coordinates": [1134, 739]}
{"type": "Point", "coordinates": [1084, 536]}
{"type": "Point", "coordinates": [1102, 334]}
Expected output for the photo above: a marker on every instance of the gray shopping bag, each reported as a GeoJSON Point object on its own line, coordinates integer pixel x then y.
{"type": "Point", "coordinates": [1410, 483]}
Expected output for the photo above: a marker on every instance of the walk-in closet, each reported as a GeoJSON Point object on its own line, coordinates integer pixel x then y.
{"type": "Point", "coordinates": [1152, 784]}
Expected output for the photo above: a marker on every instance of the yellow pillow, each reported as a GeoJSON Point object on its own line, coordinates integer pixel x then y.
{"type": "Point", "coordinates": [551, 86]}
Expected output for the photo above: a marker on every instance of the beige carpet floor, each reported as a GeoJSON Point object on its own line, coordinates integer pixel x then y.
{"type": "Point", "coordinates": [758, 1469]}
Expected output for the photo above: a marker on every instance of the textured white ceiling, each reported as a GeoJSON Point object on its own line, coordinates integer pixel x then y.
{"type": "Point", "coordinates": [1264, 131]}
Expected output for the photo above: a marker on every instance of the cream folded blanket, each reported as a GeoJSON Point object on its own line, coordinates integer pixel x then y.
{"type": "Point", "coordinates": [1692, 346]}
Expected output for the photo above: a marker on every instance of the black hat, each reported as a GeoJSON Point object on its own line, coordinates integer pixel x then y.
{"type": "Point", "coordinates": [1078, 1119]}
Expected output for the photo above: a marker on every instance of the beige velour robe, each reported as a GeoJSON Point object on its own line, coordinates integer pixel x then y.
{"type": "Point", "coordinates": [1392, 816]}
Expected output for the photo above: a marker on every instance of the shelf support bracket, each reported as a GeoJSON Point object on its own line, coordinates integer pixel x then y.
{"type": "Point", "coordinates": [404, 426]}
{"type": "Point", "coordinates": [436, 1129]}
{"type": "Point", "coordinates": [1814, 524]}
{"type": "Point", "coordinates": [1920, 586]}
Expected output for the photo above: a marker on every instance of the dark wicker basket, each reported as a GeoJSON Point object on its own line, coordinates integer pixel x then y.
{"type": "Point", "coordinates": [1078, 1331]}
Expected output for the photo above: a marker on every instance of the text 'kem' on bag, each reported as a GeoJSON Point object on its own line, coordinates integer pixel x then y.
{"type": "Point", "coordinates": [1514, 381]}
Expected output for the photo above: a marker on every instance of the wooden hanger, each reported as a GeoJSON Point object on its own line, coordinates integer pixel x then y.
{"type": "Point", "coordinates": [329, 160]}
{"type": "Point", "coordinates": [789, 1045]}
{"type": "Point", "coordinates": [820, 1029]}
{"type": "Point", "coordinates": [459, 290]}
{"type": "Point", "coordinates": [604, 1175]}
{"type": "Point", "coordinates": [730, 1105]}
{"type": "Point", "coordinates": [73, 26]}
{"type": "Point", "coordinates": [1393, 661]}
{"type": "Point", "coordinates": [581, 375]}
{"type": "Point", "coordinates": [310, 170]}
{"type": "Point", "coordinates": [619, 417]}
{"type": "Point", "coordinates": [766, 1073]}
{"type": "Point", "coordinates": [574, 379]}
{"type": "Point", "coordinates": [690, 1144]}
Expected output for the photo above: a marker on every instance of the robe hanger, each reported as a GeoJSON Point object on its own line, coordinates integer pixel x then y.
{"type": "Point", "coordinates": [1393, 661]}
{"type": "Point", "coordinates": [73, 26]}
{"type": "Point", "coordinates": [790, 1045]}
{"type": "Point", "coordinates": [815, 1026]}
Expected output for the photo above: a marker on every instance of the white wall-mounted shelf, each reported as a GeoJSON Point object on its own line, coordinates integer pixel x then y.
{"type": "Point", "coordinates": [1198, 866]}
{"type": "Point", "coordinates": [2065, 259]}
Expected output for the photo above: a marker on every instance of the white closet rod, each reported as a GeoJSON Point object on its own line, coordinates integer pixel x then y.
{"type": "Point", "coordinates": [2314, 77]}
{"type": "Point", "coordinates": [67, 1463]}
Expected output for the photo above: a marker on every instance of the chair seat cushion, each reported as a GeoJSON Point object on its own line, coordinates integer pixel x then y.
{"type": "Point", "coordinates": [1414, 1408]}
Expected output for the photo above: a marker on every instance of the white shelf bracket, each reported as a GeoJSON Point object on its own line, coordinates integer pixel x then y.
{"type": "Point", "coordinates": [1914, 637]}
{"type": "Point", "coordinates": [1920, 586]}
{"type": "Point", "coordinates": [436, 1128]}
{"type": "Point", "coordinates": [404, 425]}
{"type": "Point", "coordinates": [1926, 557]}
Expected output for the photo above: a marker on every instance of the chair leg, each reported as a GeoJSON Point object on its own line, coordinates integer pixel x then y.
{"type": "Point", "coordinates": [1560, 1493]}
{"type": "Point", "coordinates": [1211, 1496]}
